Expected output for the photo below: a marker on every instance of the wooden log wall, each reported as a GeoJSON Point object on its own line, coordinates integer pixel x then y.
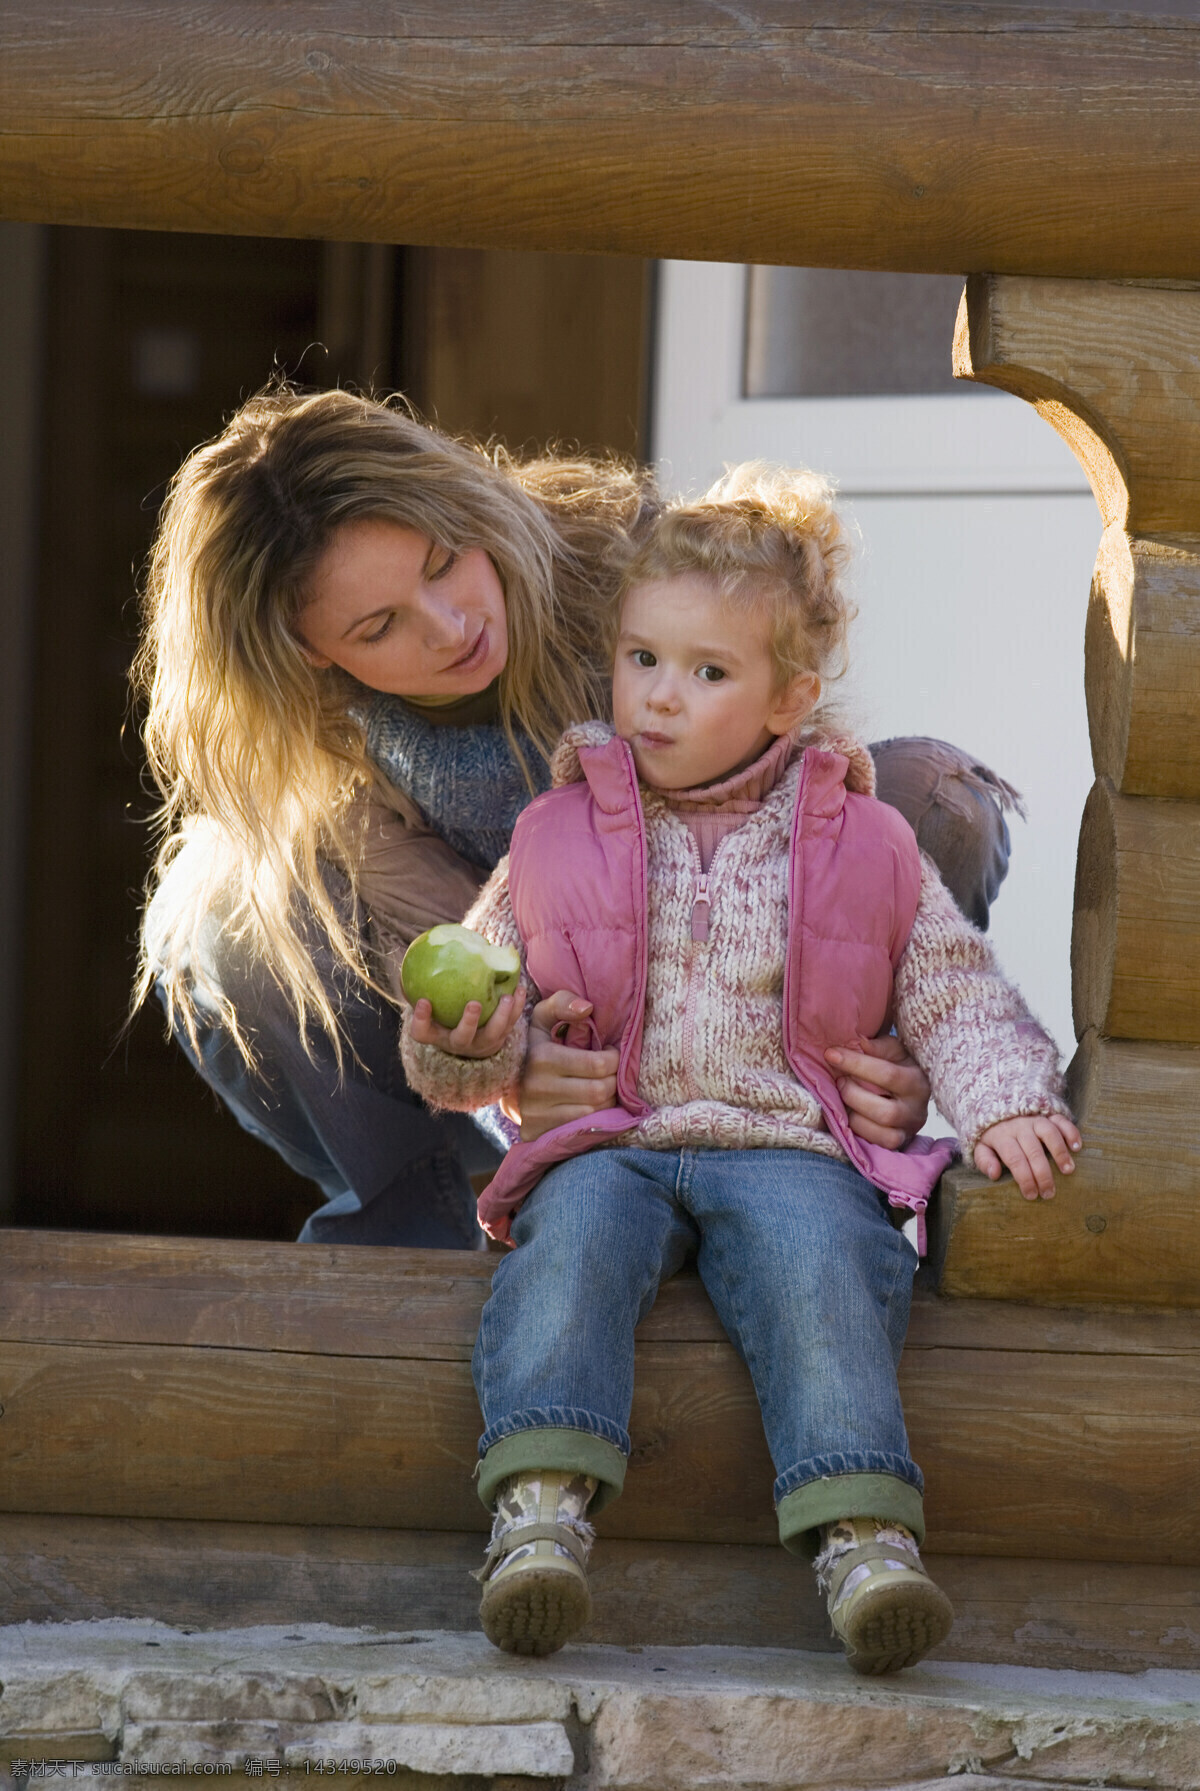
{"type": "Point", "coordinates": [1115, 368]}
{"type": "Point", "coordinates": [186, 1380]}
{"type": "Point", "coordinates": [969, 134]}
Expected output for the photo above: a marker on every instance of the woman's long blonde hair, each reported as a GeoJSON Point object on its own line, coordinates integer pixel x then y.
{"type": "Point", "coordinates": [249, 742]}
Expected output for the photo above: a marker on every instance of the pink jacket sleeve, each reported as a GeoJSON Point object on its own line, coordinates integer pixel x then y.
{"type": "Point", "coordinates": [463, 1084]}
{"type": "Point", "coordinates": [986, 1056]}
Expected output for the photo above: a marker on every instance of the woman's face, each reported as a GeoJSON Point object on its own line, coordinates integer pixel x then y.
{"type": "Point", "coordinates": [401, 614]}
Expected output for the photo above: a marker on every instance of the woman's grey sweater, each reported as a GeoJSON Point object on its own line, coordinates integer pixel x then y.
{"type": "Point", "coordinates": [465, 781]}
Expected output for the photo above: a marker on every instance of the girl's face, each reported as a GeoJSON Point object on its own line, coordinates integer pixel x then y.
{"type": "Point", "coordinates": [401, 614]}
{"type": "Point", "coordinates": [694, 686]}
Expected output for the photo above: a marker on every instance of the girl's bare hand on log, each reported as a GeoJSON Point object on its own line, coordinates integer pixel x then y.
{"type": "Point", "coordinates": [1028, 1148]}
{"type": "Point", "coordinates": [562, 1081]}
{"type": "Point", "coordinates": [468, 1038]}
{"type": "Point", "coordinates": [885, 1090]}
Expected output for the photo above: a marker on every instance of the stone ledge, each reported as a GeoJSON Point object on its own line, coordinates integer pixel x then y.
{"type": "Point", "coordinates": [451, 1712]}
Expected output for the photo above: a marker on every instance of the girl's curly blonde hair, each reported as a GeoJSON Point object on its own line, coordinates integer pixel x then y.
{"type": "Point", "coordinates": [248, 741]}
{"type": "Point", "coordinates": [768, 537]}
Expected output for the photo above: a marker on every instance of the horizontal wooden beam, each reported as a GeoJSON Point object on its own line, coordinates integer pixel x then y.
{"type": "Point", "coordinates": [187, 1379]}
{"type": "Point", "coordinates": [1102, 1616]}
{"type": "Point", "coordinates": [972, 135]}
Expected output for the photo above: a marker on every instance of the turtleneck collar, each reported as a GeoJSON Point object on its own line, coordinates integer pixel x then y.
{"type": "Point", "coordinates": [743, 791]}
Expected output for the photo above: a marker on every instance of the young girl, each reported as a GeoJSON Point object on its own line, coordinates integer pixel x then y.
{"type": "Point", "coordinates": [717, 887]}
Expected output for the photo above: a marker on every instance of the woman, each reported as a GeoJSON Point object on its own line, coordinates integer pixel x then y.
{"type": "Point", "coordinates": [362, 640]}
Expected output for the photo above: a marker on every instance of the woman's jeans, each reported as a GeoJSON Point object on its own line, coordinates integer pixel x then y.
{"type": "Point", "coordinates": [391, 1171]}
{"type": "Point", "coordinates": [807, 1274]}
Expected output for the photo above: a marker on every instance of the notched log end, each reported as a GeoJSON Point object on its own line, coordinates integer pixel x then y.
{"type": "Point", "coordinates": [1108, 654]}
{"type": "Point", "coordinates": [1010, 335]}
{"type": "Point", "coordinates": [1093, 933]}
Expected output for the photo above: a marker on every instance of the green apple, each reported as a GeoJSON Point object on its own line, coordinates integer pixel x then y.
{"type": "Point", "coordinates": [451, 965]}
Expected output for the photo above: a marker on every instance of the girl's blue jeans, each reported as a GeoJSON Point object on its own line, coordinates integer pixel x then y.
{"type": "Point", "coordinates": [807, 1274]}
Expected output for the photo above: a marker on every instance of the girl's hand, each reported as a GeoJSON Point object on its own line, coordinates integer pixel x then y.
{"type": "Point", "coordinates": [561, 1081]}
{"type": "Point", "coordinates": [1025, 1147]}
{"type": "Point", "coordinates": [885, 1090]}
{"type": "Point", "coordinates": [468, 1038]}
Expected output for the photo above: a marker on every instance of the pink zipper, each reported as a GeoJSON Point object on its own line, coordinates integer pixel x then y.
{"type": "Point", "coordinates": [701, 911]}
{"type": "Point", "coordinates": [699, 919]}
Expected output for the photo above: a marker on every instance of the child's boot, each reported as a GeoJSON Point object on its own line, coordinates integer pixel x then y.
{"type": "Point", "coordinates": [884, 1608]}
{"type": "Point", "coordinates": [535, 1590]}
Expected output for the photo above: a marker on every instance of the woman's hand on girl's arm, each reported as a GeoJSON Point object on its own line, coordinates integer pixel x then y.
{"type": "Point", "coordinates": [1027, 1148]}
{"type": "Point", "coordinates": [468, 1038]}
{"type": "Point", "coordinates": [560, 1081]}
{"type": "Point", "coordinates": [886, 1092]}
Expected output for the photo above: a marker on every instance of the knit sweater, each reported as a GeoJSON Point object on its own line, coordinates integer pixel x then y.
{"type": "Point", "coordinates": [466, 782]}
{"type": "Point", "coordinates": [713, 1067]}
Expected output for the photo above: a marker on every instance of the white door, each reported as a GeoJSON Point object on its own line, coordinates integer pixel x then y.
{"type": "Point", "coordinates": [978, 535]}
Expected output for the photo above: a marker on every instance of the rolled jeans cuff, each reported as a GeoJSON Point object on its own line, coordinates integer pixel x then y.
{"type": "Point", "coordinates": [890, 1497]}
{"type": "Point", "coordinates": [532, 1447]}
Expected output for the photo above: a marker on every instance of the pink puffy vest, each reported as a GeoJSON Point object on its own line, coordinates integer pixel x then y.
{"type": "Point", "coordinates": [577, 880]}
